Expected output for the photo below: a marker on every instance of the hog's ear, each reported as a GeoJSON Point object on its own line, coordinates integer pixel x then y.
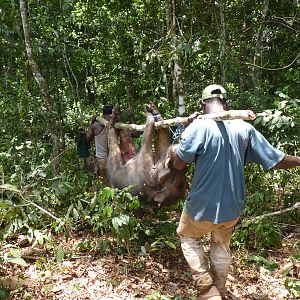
{"type": "Point", "coordinates": [159, 197]}
{"type": "Point", "coordinates": [163, 175]}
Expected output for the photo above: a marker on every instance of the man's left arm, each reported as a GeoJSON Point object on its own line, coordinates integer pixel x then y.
{"type": "Point", "coordinates": [288, 162]}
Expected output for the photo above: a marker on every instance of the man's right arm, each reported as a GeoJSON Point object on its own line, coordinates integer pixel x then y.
{"type": "Point", "coordinates": [174, 160]}
{"type": "Point", "coordinates": [178, 163]}
{"type": "Point", "coordinates": [288, 162]}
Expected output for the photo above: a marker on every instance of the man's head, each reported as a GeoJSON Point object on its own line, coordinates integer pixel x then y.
{"type": "Point", "coordinates": [107, 109]}
{"type": "Point", "coordinates": [214, 93]}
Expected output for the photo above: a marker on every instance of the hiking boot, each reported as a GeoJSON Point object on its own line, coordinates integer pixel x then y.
{"type": "Point", "coordinates": [211, 294]}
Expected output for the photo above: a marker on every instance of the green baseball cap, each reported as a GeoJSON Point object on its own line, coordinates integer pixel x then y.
{"type": "Point", "coordinates": [212, 91]}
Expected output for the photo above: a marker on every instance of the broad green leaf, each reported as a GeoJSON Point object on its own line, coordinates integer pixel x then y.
{"type": "Point", "coordinates": [108, 193]}
{"type": "Point", "coordinates": [120, 221]}
{"type": "Point", "coordinates": [15, 253]}
{"type": "Point", "coordinates": [246, 224]}
{"type": "Point", "coordinates": [129, 196]}
{"type": "Point", "coordinates": [39, 236]}
{"type": "Point", "coordinates": [170, 244]}
{"type": "Point", "coordinates": [279, 123]}
{"type": "Point", "coordinates": [59, 254]}
{"type": "Point", "coordinates": [5, 204]}
{"type": "Point", "coordinates": [143, 250]}
{"type": "Point", "coordinates": [269, 265]}
{"type": "Point", "coordinates": [93, 200]}
{"type": "Point", "coordinates": [107, 211]}
{"type": "Point", "coordinates": [75, 213]}
{"type": "Point", "coordinates": [16, 260]}
{"type": "Point", "coordinates": [282, 95]}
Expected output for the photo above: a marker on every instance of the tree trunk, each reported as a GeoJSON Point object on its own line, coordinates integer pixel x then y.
{"type": "Point", "coordinates": [244, 41]}
{"type": "Point", "coordinates": [169, 17]}
{"type": "Point", "coordinates": [257, 59]}
{"type": "Point", "coordinates": [178, 87]}
{"type": "Point", "coordinates": [42, 85]}
{"type": "Point", "coordinates": [71, 74]}
{"type": "Point", "coordinates": [223, 41]}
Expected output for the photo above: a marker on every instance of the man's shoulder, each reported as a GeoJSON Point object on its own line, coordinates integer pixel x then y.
{"type": "Point", "coordinates": [204, 122]}
{"type": "Point", "coordinates": [97, 128]}
{"type": "Point", "coordinates": [211, 123]}
{"type": "Point", "coordinates": [239, 123]}
{"type": "Point", "coordinates": [199, 125]}
{"type": "Point", "coordinates": [97, 124]}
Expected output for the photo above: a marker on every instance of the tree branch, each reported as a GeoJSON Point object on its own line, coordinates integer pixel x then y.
{"type": "Point", "coordinates": [227, 115]}
{"type": "Point", "coordinates": [282, 24]}
{"type": "Point", "coordinates": [270, 69]}
{"type": "Point", "coordinates": [14, 189]}
{"type": "Point", "coordinates": [272, 214]}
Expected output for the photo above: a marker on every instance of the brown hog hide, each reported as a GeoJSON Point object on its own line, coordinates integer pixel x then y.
{"type": "Point", "coordinates": [172, 182]}
{"type": "Point", "coordinates": [148, 174]}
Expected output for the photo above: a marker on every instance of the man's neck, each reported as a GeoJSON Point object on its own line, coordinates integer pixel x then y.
{"type": "Point", "coordinates": [213, 108]}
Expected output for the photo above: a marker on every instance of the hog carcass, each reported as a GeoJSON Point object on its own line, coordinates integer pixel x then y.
{"type": "Point", "coordinates": [147, 173]}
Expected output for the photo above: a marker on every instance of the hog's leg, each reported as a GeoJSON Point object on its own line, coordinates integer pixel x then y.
{"type": "Point", "coordinates": [146, 144]}
{"type": "Point", "coordinates": [163, 142]}
{"type": "Point", "coordinates": [170, 184]}
{"type": "Point", "coordinates": [141, 164]}
{"type": "Point", "coordinates": [127, 146]}
{"type": "Point", "coordinates": [144, 158]}
{"type": "Point", "coordinates": [114, 152]}
{"type": "Point", "coordinates": [163, 139]}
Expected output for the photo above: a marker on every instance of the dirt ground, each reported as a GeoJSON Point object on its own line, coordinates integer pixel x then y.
{"type": "Point", "coordinates": [160, 275]}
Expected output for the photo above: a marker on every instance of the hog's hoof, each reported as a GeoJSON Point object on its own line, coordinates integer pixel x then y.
{"type": "Point", "coordinates": [114, 116]}
{"type": "Point", "coordinates": [146, 111]}
{"type": "Point", "coordinates": [151, 108]}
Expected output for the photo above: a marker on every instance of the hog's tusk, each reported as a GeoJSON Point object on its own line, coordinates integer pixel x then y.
{"type": "Point", "coordinates": [167, 162]}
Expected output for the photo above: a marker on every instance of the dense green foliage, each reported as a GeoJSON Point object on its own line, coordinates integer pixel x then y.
{"type": "Point", "coordinates": [96, 52]}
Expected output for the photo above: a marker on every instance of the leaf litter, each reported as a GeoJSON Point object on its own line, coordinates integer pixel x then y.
{"type": "Point", "coordinates": [162, 274]}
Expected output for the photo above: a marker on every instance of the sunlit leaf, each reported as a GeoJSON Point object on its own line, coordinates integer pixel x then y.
{"type": "Point", "coordinates": [16, 260]}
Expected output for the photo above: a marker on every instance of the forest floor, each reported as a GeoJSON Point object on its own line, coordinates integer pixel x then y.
{"type": "Point", "coordinates": [159, 275]}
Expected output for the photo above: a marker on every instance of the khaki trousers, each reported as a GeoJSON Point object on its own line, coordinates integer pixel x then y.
{"type": "Point", "coordinates": [190, 233]}
{"type": "Point", "coordinates": [100, 169]}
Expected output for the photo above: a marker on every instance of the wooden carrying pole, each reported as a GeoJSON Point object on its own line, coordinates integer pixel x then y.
{"type": "Point", "coordinates": [226, 115]}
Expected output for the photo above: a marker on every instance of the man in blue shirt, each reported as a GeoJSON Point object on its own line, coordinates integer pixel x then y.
{"type": "Point", "coordinates": [220, 150]}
